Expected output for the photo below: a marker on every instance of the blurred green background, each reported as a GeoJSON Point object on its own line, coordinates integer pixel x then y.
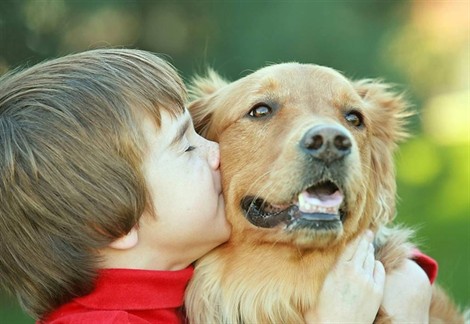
{"type": "Point", "coordinates": [423, 46]}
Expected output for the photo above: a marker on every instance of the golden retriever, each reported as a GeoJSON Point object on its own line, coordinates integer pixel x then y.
{"type": "Point", "coordinates": [307, 165]}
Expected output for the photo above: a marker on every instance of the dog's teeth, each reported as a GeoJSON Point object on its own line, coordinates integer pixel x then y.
{"type": "Point", "coordinates": [304, 205]}
{"type": "Point", "coordinates": [309, 203]}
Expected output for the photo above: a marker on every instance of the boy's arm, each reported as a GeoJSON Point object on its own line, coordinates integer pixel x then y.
{"type": "Point", "coordinates": [408, 289]}
{"type": "Point", "coordinates": [408, 292]}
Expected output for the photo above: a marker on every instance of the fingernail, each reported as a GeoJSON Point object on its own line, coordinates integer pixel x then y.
{"type": "Point", "coordinates": [369, 235]}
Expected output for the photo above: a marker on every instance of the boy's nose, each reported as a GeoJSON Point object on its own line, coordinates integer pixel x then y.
{"type": "Point", "coordinates": [213, 155]}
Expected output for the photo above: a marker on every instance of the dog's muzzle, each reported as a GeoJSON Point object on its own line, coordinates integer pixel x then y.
{"type": "Point", "coordinates": [319, 206]}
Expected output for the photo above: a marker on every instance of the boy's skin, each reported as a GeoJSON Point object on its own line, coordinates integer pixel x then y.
{"type": "Point", "coordinates": [182, 175]}
{"type": "Point", "coordinates": [184, 218]}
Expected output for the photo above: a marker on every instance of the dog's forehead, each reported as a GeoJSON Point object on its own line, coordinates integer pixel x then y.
{"type": "Point", "coordinates": [298, 77]}
{"type": "Point", "coordinates": [293, 83]}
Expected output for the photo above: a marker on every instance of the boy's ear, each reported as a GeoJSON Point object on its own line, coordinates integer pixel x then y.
{"type": "Point", "coordinates": [127, 241]}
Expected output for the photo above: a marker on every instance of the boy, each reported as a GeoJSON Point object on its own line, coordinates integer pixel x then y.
{"type": "Point", "coordinates": [108, 195]}
{"type": "Point", "coordinates": [73, 193]}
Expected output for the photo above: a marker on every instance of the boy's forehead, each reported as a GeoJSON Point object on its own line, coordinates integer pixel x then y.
{"type": "Point", "coordinates": [173, 128]}
{"type": "Point", "coordinates": [182, 123]}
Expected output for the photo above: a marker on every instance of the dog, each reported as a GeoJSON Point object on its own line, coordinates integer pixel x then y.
{"type": "Point", "coordinates": [307, 165]}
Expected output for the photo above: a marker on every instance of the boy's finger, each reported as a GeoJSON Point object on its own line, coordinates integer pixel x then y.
{"type": "Point", "coordinates": [362, 249]}
{"type": "Point", "coordinates": [350, 249]}
{"type": "Point", "coordinates": [369, 261]}
{"type": "Point", "coordinates": [379, 274]}
{"type": "Point", "coordinates": [353, 246]}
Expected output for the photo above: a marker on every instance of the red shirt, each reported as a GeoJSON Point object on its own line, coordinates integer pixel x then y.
{"type": "Point", "coordinates": [145, 296]}
{"type": "Point", "coordinates": [128, 296]}
{"type": "Point", "coordinates": [428, 264]}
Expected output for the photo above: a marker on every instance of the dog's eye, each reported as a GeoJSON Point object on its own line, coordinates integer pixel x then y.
{"type": "Point", "coordinates": [354, 118]}
{"type": "Point", "coordinates": [260, 110]}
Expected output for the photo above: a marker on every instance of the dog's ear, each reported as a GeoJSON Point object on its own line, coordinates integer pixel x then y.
{"type": "Point", "coordinates": [387, 115]}
{"type": "Point", "coordinates": [389, 110]}
{"type": "Point", "coordinates": [201, 90]}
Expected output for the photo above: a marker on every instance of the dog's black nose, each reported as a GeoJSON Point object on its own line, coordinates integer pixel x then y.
{"type": "Point", "coordinates": [327, 143]}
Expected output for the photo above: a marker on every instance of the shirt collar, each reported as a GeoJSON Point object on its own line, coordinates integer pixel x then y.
{"type": "Point", "coordinates": [133, 289]}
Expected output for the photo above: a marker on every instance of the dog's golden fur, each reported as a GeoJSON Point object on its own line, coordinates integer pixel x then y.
{"type": "Point", "coordinates": [274, 272]}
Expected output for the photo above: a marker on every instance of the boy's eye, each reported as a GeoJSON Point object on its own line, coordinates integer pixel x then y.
{"type": "Point", "coordinates": [190, 148]}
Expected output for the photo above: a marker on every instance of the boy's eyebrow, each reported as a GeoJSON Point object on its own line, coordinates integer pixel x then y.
{"type": "Point", "coordinates": [181, 130]}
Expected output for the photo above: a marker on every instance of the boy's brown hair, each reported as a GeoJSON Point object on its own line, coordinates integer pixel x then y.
{"type": "Point", "coordinates": [70, 158]}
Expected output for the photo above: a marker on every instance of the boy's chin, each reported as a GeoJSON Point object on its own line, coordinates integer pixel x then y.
{"type": "Point", "coordinates": [223, 233]}
{"type": "Point", "coordinates": [222, 237]}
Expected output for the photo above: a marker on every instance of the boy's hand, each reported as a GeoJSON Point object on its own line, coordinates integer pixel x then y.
{"type": "Point", "coordinates": [353, 290]}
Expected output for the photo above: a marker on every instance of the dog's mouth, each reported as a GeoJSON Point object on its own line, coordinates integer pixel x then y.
{"type": "Point", "coordinates": [320, 206]}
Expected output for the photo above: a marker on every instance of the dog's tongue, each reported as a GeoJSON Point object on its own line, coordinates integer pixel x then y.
{"type": "Point", "coordinates": [320, 202]}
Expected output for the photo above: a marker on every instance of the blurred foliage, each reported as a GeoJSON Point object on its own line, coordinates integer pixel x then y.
{"type": "Point", "coordinates": [423, 46]}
